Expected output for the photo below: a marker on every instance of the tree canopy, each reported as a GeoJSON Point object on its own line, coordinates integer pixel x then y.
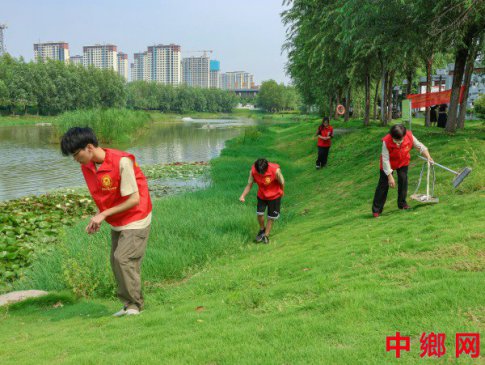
{"type": "Point", "coordinates": [338, 46]}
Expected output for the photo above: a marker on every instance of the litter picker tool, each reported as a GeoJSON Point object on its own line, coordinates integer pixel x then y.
{"type": "Point", "coordinates": [428, 197]}
{"type": "Point", "coordinates": [460, 176]}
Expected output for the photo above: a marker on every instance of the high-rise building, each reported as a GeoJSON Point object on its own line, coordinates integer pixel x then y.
{"type": "Point", "coordinates": [123, 65]}
{"type": "Point", "coordinates": [164, 63]}
{"type": "Point", "coordinates": [58, 51]}
{"type": "Point", "coordinates": [237, 80]}
{"type": "Point", "coordinates": [160, 63]}
{"type": "Point", "coordinates": [196, 71]}
{"type": "Point", "coordinates": [101, 56]}
{"type": "Point", "coordinates": [76, 60]}
{"type": "Point", "coordinates": [215, 73]}
{"type": "Point", "coordinates": [2, 39]}
{"type": "Point", "coordinates": [140, 67]}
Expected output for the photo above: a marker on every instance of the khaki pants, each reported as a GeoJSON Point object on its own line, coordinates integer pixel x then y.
{"type": "Point", "coordinates": [127, 251]}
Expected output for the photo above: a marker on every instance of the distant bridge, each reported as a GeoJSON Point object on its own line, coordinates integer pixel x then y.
{"type": "Point", "coordinates": [246, 92]}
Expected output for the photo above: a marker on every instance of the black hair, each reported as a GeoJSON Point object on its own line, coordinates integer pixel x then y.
{"type": "Point", "coordinates": [261, 165]}
{"type": "Point", "coordinates": [321, 126]}
{"type": "Point", "coordinates": [77, 138]}
{"type": "Point", "coordinates": [398, 131]}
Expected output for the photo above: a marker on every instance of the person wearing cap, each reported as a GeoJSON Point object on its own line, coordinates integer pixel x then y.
{"type": "Point", "coordinates": [120, 190]}
{"type": "Point", "coordinates": [396, 147]}
{"type": "Point", "coordinates": [271, 185]}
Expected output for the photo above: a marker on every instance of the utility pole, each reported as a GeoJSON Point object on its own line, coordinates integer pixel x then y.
{"type": "Point", "coordinates": [2, 40]}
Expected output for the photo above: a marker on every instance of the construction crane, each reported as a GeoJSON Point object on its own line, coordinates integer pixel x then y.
{"type": "Point", "coordinates": [204, 51]}
{"type": "Point", "coordinates": [2, 40]}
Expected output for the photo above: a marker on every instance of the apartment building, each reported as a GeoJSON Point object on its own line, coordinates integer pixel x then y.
{"type": "Point", "coordinates": [215, 74]}
{"type": "Point", "coordinates": [123, 65]}
{"type": "Point", "coordinates": [237, 80]}
{"type": "Point", "coordinates": [164, 62]}
{"type": "Point", "coordinates": [196, 71]}
{"type": "Point", "coordinates": [58, 51]}
{"type": "Point", "coordinates": [101, 56]}
{"type": "Point", "coordinates": [76, 60]}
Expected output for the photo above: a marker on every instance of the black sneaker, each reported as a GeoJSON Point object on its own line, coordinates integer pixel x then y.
{"type": "Point", "coordinates": [259, 236]}
{"type": "Point", "coordinates": [265, 239]}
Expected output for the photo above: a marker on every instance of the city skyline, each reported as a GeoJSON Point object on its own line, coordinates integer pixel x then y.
{"type": "Point", "coordinates": [234, 35]}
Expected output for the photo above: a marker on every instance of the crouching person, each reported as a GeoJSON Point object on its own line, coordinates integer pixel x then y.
{"type": "Point", "coordinates": [271, 185]}
{"type": "Point", "coordinates": [120, 191]}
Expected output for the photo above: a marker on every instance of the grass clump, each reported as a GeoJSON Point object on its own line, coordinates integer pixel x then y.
{"type": "Point", "coordinates": [111, 125]}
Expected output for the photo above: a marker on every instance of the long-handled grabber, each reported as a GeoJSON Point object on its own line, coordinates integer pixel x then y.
{"type": "Point", "coordinates": [428, 197]}
{"type": "Point", "coordinates": [460, 176]}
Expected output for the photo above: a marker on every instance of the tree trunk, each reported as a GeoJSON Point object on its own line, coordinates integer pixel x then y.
{"type": "Point", "coordinates": [385, 77]}
{"type": "Point", "coordinates": [376, 96]}
{"type": "Point", "coordinates": [470, 64]}
{"type": "Point", "coordinates": [338, 103]}
{"type": "Point", "coordinates": [389, 95]}
{"type": "Point", "coordinates": [367, 100]}
{"type": "Point", "coordinates": [429, 71]}
{"type": "Point", "coordinates": [460, 61]}
{"type": "Point", "coordinates": [347, 105]}
{"type": "Point", "coordinates": [330, 106]}
{"type": "Point", "coordinates": [409, 86]}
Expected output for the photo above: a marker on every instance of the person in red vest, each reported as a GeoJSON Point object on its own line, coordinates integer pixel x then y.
{"type": "Point", "coordinates": [120, 191]}
{"type": "Point", "coordinates": [395, 156]}
{"type": "Point", "coordinates": [271, 186]}
{"type": "Point", "coordinates": [325, 135]}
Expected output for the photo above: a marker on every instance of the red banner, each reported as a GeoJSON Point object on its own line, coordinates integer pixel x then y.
{"type": "Point", "coordinates": [430, 99]}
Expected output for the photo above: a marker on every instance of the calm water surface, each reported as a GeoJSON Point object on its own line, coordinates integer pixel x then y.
{"type": "Point", "coordinates": [31, 164]}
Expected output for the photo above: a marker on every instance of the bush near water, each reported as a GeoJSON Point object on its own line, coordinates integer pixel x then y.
{"type": "Point", "coordinates": [110, 125]}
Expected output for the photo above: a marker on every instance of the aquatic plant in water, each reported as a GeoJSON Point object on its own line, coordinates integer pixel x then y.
{"type": "Point", "coordinates": [32, 225]}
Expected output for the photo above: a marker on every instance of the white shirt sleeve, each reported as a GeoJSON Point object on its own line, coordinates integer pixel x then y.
{"type": "Point", "coordinates": [386, 163]}
{"type": "Point", "coordinates": [128, 183]}
{"type": "Point", "coordinates": [280, 177]}
{"type": "Point", "coordinates": [418, 145]}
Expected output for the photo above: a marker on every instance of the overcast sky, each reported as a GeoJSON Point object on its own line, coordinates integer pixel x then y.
{"type": "Point", "coordinates": [244, 35]}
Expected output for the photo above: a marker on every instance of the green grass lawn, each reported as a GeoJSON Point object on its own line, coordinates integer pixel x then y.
{"type": "Point", "coordinates": [333, 283]}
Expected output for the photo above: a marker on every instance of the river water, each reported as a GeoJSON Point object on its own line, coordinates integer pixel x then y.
{"type": "Point", "coordinates": [31, 164]}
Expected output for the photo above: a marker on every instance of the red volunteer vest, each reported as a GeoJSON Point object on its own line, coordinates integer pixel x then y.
{"type": "Point", "coordinates": [325, 132]}
{"type": "Point", "coordinates": [104, 186]}
{"type": "Point", "coordinates": [399, 156]}
{"type": "Point", "coordinates": [268, 186]}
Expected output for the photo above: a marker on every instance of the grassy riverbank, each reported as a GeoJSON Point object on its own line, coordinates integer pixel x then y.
{"type": "Point", "coordinates": [33, 226]}
{"type": "Point", "coordinates": [333, 283]}
{"type": "Point", "coordinates": [24, 120]}
{"type": "Point", "coordinates": [155, 116]}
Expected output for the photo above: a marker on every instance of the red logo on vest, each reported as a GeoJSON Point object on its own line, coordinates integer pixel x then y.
{"type": "Point", "coordinates": [107, 183]}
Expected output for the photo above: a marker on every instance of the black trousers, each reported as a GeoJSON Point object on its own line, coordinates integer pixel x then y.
{"type": "Point", "coordinates": [322, 156]}
{"type": "Point", "coordinates": [383, 187]}
{"type": "Point", "coordinates": [442, 119]}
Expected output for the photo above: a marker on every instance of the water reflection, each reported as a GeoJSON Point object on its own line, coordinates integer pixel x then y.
{"type": "Point", "coordinates": [30, 164]}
